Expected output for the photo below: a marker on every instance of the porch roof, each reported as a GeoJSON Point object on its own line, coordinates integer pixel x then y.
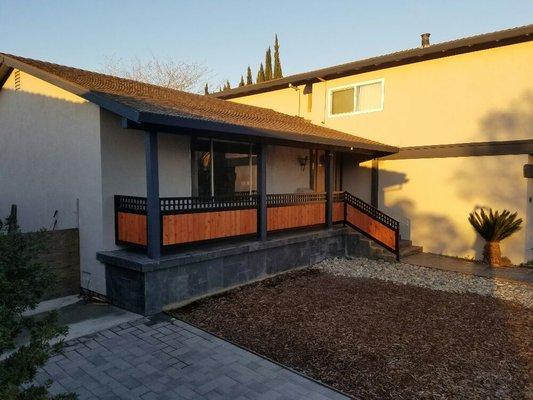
{"type": "Point", "coordinates": [144, 105]}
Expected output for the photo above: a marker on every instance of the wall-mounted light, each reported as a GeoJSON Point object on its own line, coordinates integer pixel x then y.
{"type": "Point", "coordinates": [302, 160]}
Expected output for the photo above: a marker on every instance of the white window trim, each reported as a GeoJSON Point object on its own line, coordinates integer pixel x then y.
{"type": "Point", "coordinates": [354, 86]}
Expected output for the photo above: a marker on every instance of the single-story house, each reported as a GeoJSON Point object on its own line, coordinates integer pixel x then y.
{"type": "Point", "coordinates": [176, 195]}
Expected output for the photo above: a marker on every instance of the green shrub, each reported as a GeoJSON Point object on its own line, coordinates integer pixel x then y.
{"type": "Point", "coordinates": [23, 281]}
{"type": "Point", "coordinates": [494, 227]}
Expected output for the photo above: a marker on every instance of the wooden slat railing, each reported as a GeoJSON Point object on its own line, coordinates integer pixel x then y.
{"type": "Point", "coordinates": [198, 219]}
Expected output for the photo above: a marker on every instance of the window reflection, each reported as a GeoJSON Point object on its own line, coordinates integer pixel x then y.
{"type": "Point", "coordinates": [223, 168]}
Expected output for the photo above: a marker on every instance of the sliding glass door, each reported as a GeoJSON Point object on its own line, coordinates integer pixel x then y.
{"type": "Point", "coordinates": [222, 168]}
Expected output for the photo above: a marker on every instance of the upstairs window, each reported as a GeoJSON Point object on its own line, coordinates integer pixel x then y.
{"type": "Point", "coordinates": [359, 98]}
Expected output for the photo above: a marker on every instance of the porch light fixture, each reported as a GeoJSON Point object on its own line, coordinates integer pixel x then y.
{"type": "Point", "coordinates": [302, 160]}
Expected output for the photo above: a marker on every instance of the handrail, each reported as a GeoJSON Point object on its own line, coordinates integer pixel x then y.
{"type": "Point", "coordinates": [378, 226]}
{"type": "Point", "coordinates": [371, 211]}
{"type": "Point", "coordinates": [170, 205]}
{"type": "Point", "coordinates": [295, 198]}
{"type": "Point", "coordinates": [376, 215]}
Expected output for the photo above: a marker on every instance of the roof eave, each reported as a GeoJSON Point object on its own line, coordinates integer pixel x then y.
{"type": "Point", "coordinates": [93, 97]}
{"type": "Point", "coordinates": [216, 126]}
{"type": "Point", "coordinates": [439, 50]}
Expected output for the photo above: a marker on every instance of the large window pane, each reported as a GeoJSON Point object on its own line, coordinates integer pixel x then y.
{"type": "Point", "coordinates": [369, 97]}
{"type": "Point", "coordinates": [342, 101]}
{"type": "Point", "coordinates": [201, 168]}
{"type": "Point", "coordinates": [231, 170]}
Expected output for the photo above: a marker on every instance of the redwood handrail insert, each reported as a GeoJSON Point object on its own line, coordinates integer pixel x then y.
{"type": "Point", "coordinates": [244, 201]}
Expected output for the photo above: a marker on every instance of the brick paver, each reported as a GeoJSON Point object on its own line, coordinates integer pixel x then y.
{"type": "Point", "coordinates": [156, 359]}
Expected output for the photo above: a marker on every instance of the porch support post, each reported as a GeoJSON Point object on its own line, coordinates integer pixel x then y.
{"type": "Point", "coordinates": [262, 193]}
{"type": "Point", "coordinates": [374, 188]}
{"type": "Point", "coordinates": [330, 180]}
{"type": "Point", "coordinates": [153, 209]}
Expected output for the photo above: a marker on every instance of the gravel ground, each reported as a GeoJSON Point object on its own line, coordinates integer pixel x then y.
{"type": "Point", "coordinates": [430, 278]}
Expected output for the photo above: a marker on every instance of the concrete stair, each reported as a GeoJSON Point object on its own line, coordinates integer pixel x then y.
{"type": "Point", "coordinates": [408, 249]}
{"type": "Point", "coordinates": [361, 246]}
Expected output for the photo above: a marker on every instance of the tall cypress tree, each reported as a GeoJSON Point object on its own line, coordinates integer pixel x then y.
{"type": "Point", "coordinates": [241, 83]}
{"type": "Point", "coordinates": [277, 62]}
{"type": "Point", "coordinates": [260, 74]}
{"type": "Point", "coordinates": [206, 89]}
{"type": "Point", "coordinates": [249, 79]}
{"type": "Point", "coordinates": [268, 65]}
{"type": "Point", "coordinates": [227, 86]}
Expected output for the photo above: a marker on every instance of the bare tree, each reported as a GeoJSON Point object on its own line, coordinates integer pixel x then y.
{"type": "Point", "coordinates": [168, 73]}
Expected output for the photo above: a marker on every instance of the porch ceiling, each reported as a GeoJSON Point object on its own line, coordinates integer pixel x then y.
{"type": "Point", "coordinates": [145, 106]}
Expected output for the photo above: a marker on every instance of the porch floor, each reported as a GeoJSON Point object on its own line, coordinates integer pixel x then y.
{"type": "Point", "coordinates": [515, 274]}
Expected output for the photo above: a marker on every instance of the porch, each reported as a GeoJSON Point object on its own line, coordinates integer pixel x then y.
{"type": "Point", "coordinates": [233, 229]}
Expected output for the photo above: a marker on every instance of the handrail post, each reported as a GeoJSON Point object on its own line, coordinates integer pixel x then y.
{"type": "Point", "coordinates": [330, 180]}
{"type": "Point", "coordinates": [153, 207]}
{"type": "Point", "coordinates": [261, 192]}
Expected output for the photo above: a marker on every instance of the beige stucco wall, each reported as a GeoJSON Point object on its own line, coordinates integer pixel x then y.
{"type": "Point", "coordinates": [433, 197]}
{"type": "Point", "coordinates": [284, 174]}
{"type": "Point", "coordinates": [50, 160]}
{"type": "Point", "coordinates": [473, 97]}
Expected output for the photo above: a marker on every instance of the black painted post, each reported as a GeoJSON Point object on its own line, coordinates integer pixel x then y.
{"type": "Point", "coordinates": [374, 192]}
{"type": "Point", "coordinates": [153, 208]}
{"type": "Point", "coordinates": [261, 190]}
{"type": "Point", "coordinates": [330, 181]}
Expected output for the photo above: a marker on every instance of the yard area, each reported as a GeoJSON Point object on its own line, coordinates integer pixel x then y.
{"type": "Point", "coordinates": [355, 325]}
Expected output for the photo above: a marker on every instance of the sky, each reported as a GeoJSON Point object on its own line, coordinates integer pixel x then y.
{"type": "Point", "coordinates": [227, 36]}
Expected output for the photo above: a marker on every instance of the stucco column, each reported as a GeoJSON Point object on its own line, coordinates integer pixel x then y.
{"type": "Point", "coordinates": [153, 209]}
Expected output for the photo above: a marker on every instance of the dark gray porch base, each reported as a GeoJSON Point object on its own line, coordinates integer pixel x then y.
{"type": "Point", "coordinates": [145, 286]}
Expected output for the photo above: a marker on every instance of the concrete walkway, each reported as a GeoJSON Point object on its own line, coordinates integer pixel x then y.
{"type": "Point", "coordinates": [515, 274]}
{"type": "Point", "coordinates": [169, 359]}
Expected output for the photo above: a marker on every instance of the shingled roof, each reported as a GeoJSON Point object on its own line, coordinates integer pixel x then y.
{"type": "Point", "coordinates": [144, 103]}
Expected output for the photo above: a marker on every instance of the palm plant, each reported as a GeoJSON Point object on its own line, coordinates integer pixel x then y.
{"type": "Point", "coordinates": [494, 227]}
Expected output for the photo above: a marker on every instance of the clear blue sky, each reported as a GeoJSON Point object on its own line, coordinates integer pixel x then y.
{"type": "Point", "coordinates": [228, 35]}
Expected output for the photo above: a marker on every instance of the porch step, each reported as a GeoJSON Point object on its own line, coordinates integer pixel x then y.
{"type": "Point", "coordinates": [368, 248]}
{"type": "Point", "coordinates": [361, 246]}
{"type": "Point", "coordinates": [407, 248]}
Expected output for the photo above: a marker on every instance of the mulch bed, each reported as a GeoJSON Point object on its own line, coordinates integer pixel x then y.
{"type": "Point", "coordinates": [378, 340]}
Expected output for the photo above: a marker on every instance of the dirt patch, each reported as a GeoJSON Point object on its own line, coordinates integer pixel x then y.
{"type": "Point", "coordinates": [377, 340]}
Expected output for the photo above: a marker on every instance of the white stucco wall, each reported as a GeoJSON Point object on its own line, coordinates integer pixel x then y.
{"type": "Point", "coordinates": [284, 174]}
{"type": "Point", "coordinates": [50, 159]}
{"type": "Point", "coordinates": [57, 151]}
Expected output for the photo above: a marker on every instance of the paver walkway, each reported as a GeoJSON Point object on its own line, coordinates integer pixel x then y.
{"type": "Point", "coordinates": [162, 359]}
{"type": "Point", "coordinates": [516, 274]}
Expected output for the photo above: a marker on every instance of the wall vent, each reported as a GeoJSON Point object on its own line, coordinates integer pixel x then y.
{"type": "Point", "coordinates": [17, 79]}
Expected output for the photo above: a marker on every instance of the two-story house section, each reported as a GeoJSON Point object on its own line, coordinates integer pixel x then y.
{"type": "Point", "coordinates": [461, 113]}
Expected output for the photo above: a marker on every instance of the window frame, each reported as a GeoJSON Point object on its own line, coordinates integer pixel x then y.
{"type": "Point", "coordinates": [355, 86]}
